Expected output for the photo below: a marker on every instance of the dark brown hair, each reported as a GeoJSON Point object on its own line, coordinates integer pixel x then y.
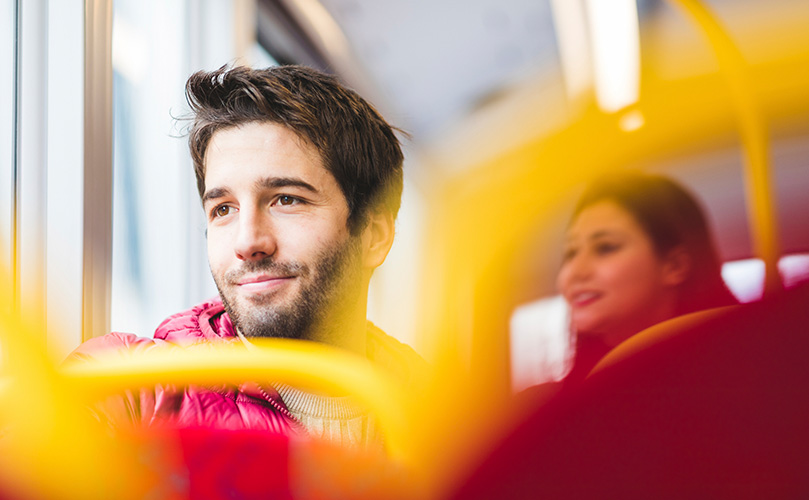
{"type": "Point", "coordinates": [671, 217]}
{"type": "Point", "coordinates": [357, 146]}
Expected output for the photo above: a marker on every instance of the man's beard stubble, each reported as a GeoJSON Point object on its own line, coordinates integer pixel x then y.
{"type": "Point", "coordinates": [324, 289]}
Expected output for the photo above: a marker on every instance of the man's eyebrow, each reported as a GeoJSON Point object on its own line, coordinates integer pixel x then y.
{"type": "Point", "coordinates": [215, 193]}
{"type": "Point", "coordinates": [279, 182]}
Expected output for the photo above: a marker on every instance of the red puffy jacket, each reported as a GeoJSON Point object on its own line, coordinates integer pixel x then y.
{"type": "Point", "coordinates": [248, 406]}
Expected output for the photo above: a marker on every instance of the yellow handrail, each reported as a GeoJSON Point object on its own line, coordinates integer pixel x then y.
{"type": "Point", "coordinates": [761, 210]}
{"type": "Point", "coordinates": [47, 432]}
{"type": "Point", "coordinates": [307, 364]}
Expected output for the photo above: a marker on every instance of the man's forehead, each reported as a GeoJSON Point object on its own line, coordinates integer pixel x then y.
{"type": "Point", "coordinates": [281, 150]}
{"type": "Point", "coordinates": [261, 134]}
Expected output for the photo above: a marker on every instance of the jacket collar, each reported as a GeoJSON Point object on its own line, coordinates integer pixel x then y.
{"type": "Point", "coordinates": [214, 322]}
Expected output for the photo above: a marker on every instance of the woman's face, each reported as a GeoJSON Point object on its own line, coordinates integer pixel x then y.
{"type": "Point", "coordinates": [611, 277]}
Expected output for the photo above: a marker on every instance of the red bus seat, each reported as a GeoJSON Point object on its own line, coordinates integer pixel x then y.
{"type": "Point", "coordinates": [718, 410]}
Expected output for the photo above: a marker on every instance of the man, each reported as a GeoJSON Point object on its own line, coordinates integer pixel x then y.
{"type": "Point", "coordinates": [301, 181]}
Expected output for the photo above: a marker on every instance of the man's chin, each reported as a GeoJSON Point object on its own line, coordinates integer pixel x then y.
{"type": "Point", "coordinates": [257, 319]}
{"type": "Point", "coordinates": [253, 301]}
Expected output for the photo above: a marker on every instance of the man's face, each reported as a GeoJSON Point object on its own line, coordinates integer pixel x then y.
{"type": "Point", "coordinates": [278, 241]}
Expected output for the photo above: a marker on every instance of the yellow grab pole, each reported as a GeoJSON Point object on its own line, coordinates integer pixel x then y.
{"type": "Point", "coordinates": [761, 209]}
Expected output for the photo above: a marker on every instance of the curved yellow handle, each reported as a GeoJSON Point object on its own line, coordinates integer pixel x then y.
{"type": "Point", "coordinates": [301, 363]}
{"type": "Point", "coordinates": [753, 131]}
{"type": "Point", "coordinates": [50, 446]}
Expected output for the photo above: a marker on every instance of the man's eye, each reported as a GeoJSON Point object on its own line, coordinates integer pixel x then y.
{"type": "Point", "coordinates": [222, 210]}
{"type": "Point", "coordinates": [286, 200]}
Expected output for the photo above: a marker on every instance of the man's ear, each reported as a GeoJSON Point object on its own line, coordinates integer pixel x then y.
{"type": "Point", "coordinates": [377, 238]}
{"type": "Point", "coordinates": [676, 267]}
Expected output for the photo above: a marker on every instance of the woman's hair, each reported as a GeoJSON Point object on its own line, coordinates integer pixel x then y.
{"type": "Point", "coordinates": [672, 218]}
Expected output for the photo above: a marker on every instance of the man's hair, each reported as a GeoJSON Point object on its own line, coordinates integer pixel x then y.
{"type": "Point", "coordinates": [357, 146]}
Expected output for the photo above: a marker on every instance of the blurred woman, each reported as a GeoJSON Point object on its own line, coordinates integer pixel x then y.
{"type": "Point", "coordinates": [638, 251]}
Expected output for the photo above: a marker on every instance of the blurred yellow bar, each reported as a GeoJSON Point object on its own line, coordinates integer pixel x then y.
{"type": "Point", "coordinates": [761, 208]}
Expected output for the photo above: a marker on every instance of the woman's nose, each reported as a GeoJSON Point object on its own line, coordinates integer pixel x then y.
{"type": "Point", "coordinates": [255, 239]}
{"type": "Point", "coordinates": [578, 268]}
{"type": "Point", "coordinates": [582, 266]}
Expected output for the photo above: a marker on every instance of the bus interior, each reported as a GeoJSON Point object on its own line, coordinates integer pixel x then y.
{"type": "Point", "coordinates": [510, 109]}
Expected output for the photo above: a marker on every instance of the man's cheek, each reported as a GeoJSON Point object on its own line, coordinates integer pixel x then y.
{"type": "Point", "coordinates": [217, 253]}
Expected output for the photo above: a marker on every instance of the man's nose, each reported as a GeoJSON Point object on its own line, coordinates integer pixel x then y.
{"type": "Point", "coordinates": [255, 240]}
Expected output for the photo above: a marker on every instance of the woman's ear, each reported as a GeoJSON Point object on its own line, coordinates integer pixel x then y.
{"type": "Point", "coordinates": [377, 238]}
{"type": "Point", "coordinates": [676, 267]}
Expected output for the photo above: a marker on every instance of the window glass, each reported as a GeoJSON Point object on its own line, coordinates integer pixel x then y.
{"type": "Point", "coordinates": [7, 46]}
{"type": "Point", "coordinates": [540, 344]}
{"type": "Point", "coordinates": [64, 193]}
{"type": "Point", "coordinates": [159, 265]}
{"type": "Point", "coordinates": [745, 278]}
{"type": "Point", "coordinates": [794, 269]}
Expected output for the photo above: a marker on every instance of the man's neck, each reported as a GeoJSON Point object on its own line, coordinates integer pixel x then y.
{"type": "Point", "coordinates": [346, 331]}
{"type": "Point", "coordinates": [345, 325]}
{"type": "Point", "coordinates": [349, 332]}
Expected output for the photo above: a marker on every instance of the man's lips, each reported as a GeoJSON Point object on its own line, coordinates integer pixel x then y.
{"type": "Point", "coordinates": [260, 283]}
{"type": "Point", "coordinates": [584, 297]}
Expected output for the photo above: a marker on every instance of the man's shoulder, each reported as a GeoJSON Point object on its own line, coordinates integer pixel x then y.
{"type": "Point", "coordinates": [205, 321]}
{"type": "Point", "coordinates": [401, 360]}
{"type": "Point", "coordinates": [111, 344]}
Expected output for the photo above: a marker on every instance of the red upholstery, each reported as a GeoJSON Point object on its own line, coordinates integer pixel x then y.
{"type": "Point", "coordinates": [720, 410]}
